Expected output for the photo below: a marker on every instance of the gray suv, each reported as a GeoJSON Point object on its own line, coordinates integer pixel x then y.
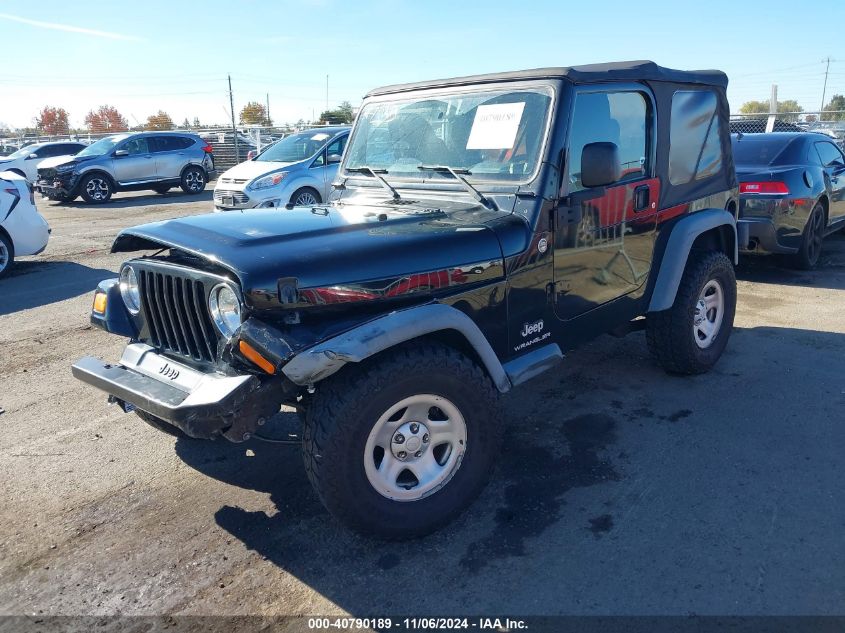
{"type": "Point", "coordinates": [130, 162]}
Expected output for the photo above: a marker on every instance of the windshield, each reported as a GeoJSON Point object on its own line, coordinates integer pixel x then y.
{"type": "Point", "coordinates": [103, 146]}
{"type": "Point", "coordinates": [23, 151]}
{"type": "Point", "coordinates": [295, 148]}
{"type": "Point", "coordinates": [493, 134]}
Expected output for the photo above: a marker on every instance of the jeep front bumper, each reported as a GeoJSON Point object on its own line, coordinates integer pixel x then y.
{"type": "Point", "coordinates": [203, 405]}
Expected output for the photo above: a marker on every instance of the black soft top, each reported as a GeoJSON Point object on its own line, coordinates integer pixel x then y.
{"type": "Point", "coordinates": [592, 73]}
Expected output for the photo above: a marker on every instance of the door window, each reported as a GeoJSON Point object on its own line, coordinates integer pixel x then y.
{"type": "Point", "coordinates": [136, 146]}
{"type": "Point", "coordinates": [830, 155]}
{"type": "Point", "coordinates": [170, 143]}
{"type": "Point", "coordinates": [621, 118]}
{"type": "Point", "coordinates": [335, 147]}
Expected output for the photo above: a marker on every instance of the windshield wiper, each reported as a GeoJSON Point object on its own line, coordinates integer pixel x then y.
{"type": "Point", "coordinates": [458, 174]}
{"type": "Point", "coordinates": [376, 173]}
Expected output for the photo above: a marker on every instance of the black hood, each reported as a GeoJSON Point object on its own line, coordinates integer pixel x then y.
{"type": "Point", "coordinates": [331, 245]}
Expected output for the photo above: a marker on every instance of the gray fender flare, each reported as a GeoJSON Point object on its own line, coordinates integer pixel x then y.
{"type": "Point", "coordinates": [684, 234]}
{"type": "Point", "coordinates": [372, 337]}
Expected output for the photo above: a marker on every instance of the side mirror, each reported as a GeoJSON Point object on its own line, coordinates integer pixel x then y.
{"type": "Point", "coordinates": [31, 156]}
{"type": "Point", "coordinates": [251, 154]}
{"type": "Point", "coordinates": [600, 164]}
{"type": "Point", "coordinates": [334, 159]}
{"type": "Point", "coordinates": [121, 152]}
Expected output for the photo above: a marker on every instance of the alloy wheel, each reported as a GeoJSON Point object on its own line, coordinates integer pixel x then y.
{"type": "Point", "coordinates": [194, 180]}
{"type": "Point", "coordinates": [305, 199]}
{"type": "Point", "coordinates": [4, 256]}
{"type": "Point", "coordinates": [415, 447]}
{"type": "Point", "coordinates": [709, 311]}
{"type": "Point", "coordinates": [815, 236]}
{"type": "Point", "coordinates": [97, 189]}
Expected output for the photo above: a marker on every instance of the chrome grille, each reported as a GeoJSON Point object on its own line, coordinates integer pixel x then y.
{"type": "Point", "coordinates": [233, 181]}
{"type": "Point", "coordinates": [176, 314]}
{"type": "Point", "coordinates": [238, 197]}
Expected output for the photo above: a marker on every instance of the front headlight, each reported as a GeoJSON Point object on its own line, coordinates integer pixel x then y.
{"type": "Point", "coordinates": [225, 309]}
{"type": "Point", "coordinates": [129, 289]}
{"type": "Point", "coordinates": [270, 180]}
{"type": "Point", "coordinates": [62, 169]}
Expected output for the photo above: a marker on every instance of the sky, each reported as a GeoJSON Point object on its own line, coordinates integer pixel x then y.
{"type": "Point", "coordinates": [175, 56]}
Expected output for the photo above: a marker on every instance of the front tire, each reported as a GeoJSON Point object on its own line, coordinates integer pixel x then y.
{"type": "Point", "coordinates": [193, 180]}
{"type": "Point", "coordinates": [96, 189]}
{"type": "Point", "coordinates": [398, 446]}
{"type": "Point", "coordinates": [810, 250]}
{"type": "Point", "coordinates": [7, 255]}
{"type": "Point", "coordinates": [689, 337]}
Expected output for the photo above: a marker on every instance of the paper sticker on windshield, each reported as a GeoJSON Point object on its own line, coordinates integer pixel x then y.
{"type": "Point", "coordinates": [319, 137]}
{"type": "Point", "coordinates": [495, 126]}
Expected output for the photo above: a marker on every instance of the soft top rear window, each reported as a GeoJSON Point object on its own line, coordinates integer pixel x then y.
{"type": "Point", "coordinates": [695, 152]}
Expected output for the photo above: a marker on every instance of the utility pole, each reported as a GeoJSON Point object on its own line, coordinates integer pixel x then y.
{"type": "Point", "coordinates": [327, 93]}
{"type": "Point", "coordinates": [269, 121]}
{"type": "Point", "coordinates": [773, 109]}
{"type": "Point", "coordinates": [234, 129]}
{"type": "Point", "coordinates": [824, 90]}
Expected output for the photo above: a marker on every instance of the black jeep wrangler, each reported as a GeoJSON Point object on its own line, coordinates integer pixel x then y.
{"type": "Point", "coordinates": [480, 227]}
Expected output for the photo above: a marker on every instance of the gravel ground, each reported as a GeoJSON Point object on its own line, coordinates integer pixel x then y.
{"type": "Point", "coordinates": [621, 490]}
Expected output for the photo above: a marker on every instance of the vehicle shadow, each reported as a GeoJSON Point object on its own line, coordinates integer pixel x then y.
{"type": "Point", "coordinates": [773, 269]}
{"type": "Point", "coordinates": [31, 284]}
{"type": "Point", "coordinates": [125, 200]}
{"type": "Point", "coordinates": [583, 448]}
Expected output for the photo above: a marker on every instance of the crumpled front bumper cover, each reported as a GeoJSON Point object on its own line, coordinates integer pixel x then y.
{"type": "Point", "coordinates": [203, 405]}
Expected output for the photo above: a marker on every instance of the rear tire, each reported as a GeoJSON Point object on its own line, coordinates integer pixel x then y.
{"type": "Point", "coordinates": [96, 189]}
{"type": "Point", "coordinates": [160, 425]}
{"type": "Point", "coordinates": [689, 337]}
{"type": "Point", "coordinates": [810, 250]}
{"type": "Point", "coordinates": [7, 255]}
{"type": "Point", "coordinates": [356, 459]}
{"type": "Point", "coordinates": [305, 197]}
{"type": "Point", "coordinates": [193, 180]}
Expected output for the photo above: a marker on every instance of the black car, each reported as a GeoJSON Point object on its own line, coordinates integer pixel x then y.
{"type": "Point", "coordinates": [792, 193]}
{"type": "Point", "coordinates": [479, 227]}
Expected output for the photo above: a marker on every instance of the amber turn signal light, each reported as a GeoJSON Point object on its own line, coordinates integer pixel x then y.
{"type": "Point", "coordinates": [252, 354]}
{"type": "Point", "coordinates": [100, 299]}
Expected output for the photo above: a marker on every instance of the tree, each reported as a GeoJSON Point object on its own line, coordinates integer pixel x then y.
{"type": "Point", "coordinates": [196, 121]}
{"type": "Point", "coordinates": [53, 121]}
{"type": "Point", "coordinates": [254, 113]}
{"type": "Point", "coordinates": [341, 114]}
{"type": "Point", "coordinates": [837, 105]}
{"type": "Point", "coordinates": [762, 107]}
{"type": "Point", "coordinates": [106, 119]}
{"type": "Point", "coordinates": [159, 121]}
{"type": "Point", "coordinates": [811, 118]}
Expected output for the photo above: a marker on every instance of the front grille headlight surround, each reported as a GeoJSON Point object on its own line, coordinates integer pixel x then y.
{"type": "Point", "coordinates": [224, 304]}
{"type": "Point", "coordinates": [129, 289]}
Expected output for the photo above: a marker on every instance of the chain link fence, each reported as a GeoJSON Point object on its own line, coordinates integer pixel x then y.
{"type": "Point", "coordinates": [831, 123]}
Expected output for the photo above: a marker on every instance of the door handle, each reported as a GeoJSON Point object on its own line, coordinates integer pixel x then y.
{"type": "Point", "coordinates": [642, 198]}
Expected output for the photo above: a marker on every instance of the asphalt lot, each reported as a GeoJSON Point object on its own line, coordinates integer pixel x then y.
{"type": "Point", "coordinates": [621, 490]}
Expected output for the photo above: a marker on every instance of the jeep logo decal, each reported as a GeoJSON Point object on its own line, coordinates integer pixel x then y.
{"type": "Point", "coordinates": [169, 372]}
{"type": "Point", "coordinates": [532, 328]}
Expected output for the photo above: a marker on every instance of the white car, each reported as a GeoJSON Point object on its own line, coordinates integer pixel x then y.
{"type": "Point", "coordinates": [25, 161]}
{"type": "Point", "coordinates": [299, 169]}
{"type": "Point", "coordinates": [23, 231]}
